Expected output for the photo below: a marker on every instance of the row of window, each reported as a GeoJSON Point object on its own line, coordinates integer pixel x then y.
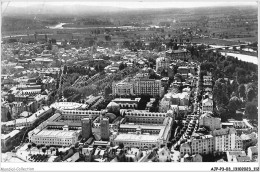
{"type": "Point", "coordinates": [136, 144]}
{"type": "Point", "coordinates": [127, 105]}
{"type": "Point", "coordinates": [52, 143]}
{"type": "Point", "coordinates": [144, 130]}
{"type": "Point", "coordinates": [82, 112]}
{"type": "Point", "coordinates": [147, 88]}
{"type": "Point", "coordinates": [145, 120]}
{"type": "Point", "coordinates": [150, 115]}
{"type": "Point", "coordinates": [51, 139]}
{"type": "Point", "coordinates": [123, 91]}
{"type": "Point", "coordinates": [200, 150]}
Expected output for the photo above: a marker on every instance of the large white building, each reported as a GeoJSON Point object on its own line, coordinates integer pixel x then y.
{"type": "Point", "coordinates": [56, 133]}
{"type": "Point", "coordinates": [150, 87]}
{"type": "Point", "coordinates": [146, 135]}
{"type": "Point", "coordinates": [202, 144]}
{"type": "Point", "coordinates": [67, 105]}
{"type": "Point", "coordinates": [127, 102]}
{"type": "Point", "coordinates": [123, 88]}
{"type": "Point", "coordinates": [140, 85]}
{"type": "Point", "coordinates": [77, 114]}
{"type": "Point", "coordinates": [143, 116]}
{"type": "Point", "coordinates": [162, 63]}
{"type": "Point", "coordinates": [144, 129]}
{"type": "Point", "coordinates": [225, 139]}
{"type": "Point", "coordinates": [207, 105]}
{"type": "Point", "coordinates": [63, 137]}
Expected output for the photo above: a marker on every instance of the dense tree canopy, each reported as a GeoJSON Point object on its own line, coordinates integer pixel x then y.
{"type": "Point", "coordinates": [251, 111]}
{"type": "Point", "coordinates": [251, 94]}
{"type": "Point", "coordinates": [234, 104]}
{"type": "Point", "coordinates": [70, 91]}
{"type": "Point", "coordinates": [242, 91]}
{"type": "Point", "coordinates": [220, 93]}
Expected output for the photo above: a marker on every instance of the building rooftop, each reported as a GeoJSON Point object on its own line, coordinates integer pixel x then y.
{"type": "Point", "coordinates": [201, 136]}
{"type": "Point", "coordinates": [154, 127]}
{"type": "Point", "coordinates": [57, 133]}
{"type": "Point", "coordinates": [207, 100]}
{"type": "Point", "coordinates": [66, 105]}
{"type": "Point", "coordinates": [9, 135]}
{"type": "Point", "coordinates": [25, 114]}
{"type": "Point", "coordinates": [138, 138]}
{"type": "Point", "coordinates": [224, 131]}
{"type": "Point", "coordinates": [126, 100]}
{"type": "Point", "coordinates": [40, 97]}
{"type": "Point", "coordinates": [140, 111]}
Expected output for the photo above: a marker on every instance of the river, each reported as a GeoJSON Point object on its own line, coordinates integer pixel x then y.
{"type": "Point", "coordinates": [243, 57]}
{"type": "Point", "coordinates": [57, 26]}
{"type": "Point", "coordinates": [60, 26]}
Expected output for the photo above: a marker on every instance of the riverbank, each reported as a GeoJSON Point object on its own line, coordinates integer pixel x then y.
{"type": "Point", "coordinates": [246, 58]}
{"type": "Point", "coordinates": [71, 25]}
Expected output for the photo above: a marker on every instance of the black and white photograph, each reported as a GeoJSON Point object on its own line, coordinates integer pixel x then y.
{"type": "Point", "coordinates": [143, 82]}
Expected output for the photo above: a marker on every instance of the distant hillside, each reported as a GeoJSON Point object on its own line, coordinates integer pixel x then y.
{"type": "Point", "coordinates": [60, 10]}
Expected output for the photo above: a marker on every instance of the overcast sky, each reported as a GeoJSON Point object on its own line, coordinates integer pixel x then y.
{"type": "Point", "coordinates": [138, 3]}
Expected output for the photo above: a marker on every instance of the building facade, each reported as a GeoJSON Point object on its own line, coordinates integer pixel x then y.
{"type": "Point", "coordinates": [125, 103]}
{"type": "Point", "coordinates": [178, 54]}
{"type": "Point", "coordinates": [162, 63]}
{"type": "Point", "coordinates": [77, 115]}
{"type": "Point", "coordinates": [105, 133]}
{"type": "Point", "coordinates": [207, 105]}
{"type": "Point", "coordinates": [144, 135]}
{"type": "Point", "coordinates": [224, 139]}
{"type": "Point", "coordinates": [143, 116]}
{"type": "Point", "coordinates": [140, 85]}
{"type": "Point", "coordinates": [150, 87]}
{"type": "Point", "coordinates": [210, 122]}
{"type": "Point", "coordinates": [56, 137]}
{"type": "Point", "coordinates": [202, 144]}
{"type": "Point", "coordinates": [86, 126]}
{"type": "Point", "coordinates": [4, 111]}
{"type": "Point", "coordinates": [185, 148]}
{"type": "Point", "coordinates": [238, 143]}
{"type": "Point", "coordinates": [207, 80]}
{"type": "Point", "coordinates": [122, 88]}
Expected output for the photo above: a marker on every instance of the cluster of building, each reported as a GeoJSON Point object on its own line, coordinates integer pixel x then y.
{"type": "Point", "coordinates": [144, 129]}
{"type": "Point", "coordinates": [15, 130]}
{"type": "Point", "coordinates": [139, 85]}
{"type": "Point", "coordinates": [121, 132]}
{"type": "Point", "coordinates": [212, 137]}
{"type": "Point", "coordinates": [27, 96]}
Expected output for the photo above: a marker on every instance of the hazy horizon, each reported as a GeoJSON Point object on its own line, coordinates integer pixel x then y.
{"type": "Point", "coordinates": [134, 4]}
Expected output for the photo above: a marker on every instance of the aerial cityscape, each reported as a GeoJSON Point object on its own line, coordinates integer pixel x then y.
{"type": "Point", "coordinates": [83, 83]}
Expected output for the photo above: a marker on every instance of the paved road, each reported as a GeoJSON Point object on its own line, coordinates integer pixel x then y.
{"type": "Point", "coordinates": [175, 155]}
{"type": "Point", "coordinates": [247, 123]}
